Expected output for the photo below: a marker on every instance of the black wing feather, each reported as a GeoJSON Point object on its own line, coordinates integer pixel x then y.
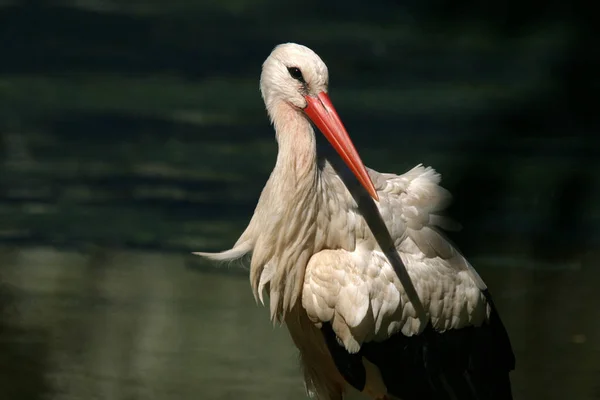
{"type": "Point", "coordinates": [471, 363]}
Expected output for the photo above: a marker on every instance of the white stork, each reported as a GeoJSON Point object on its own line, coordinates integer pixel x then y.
{"type": "Point", "coordinates": [338, 278]}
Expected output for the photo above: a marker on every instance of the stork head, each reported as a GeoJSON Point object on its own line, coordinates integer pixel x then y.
{"type": "Point", "coordinates": [295, 75]}
{"type": "Point", "coordinates": [292, 72]}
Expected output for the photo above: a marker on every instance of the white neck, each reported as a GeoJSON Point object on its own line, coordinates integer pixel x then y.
{"type": "Point", "coordinates": [283, 226]}
{"type": "Point", "coordinates": [297, 156]}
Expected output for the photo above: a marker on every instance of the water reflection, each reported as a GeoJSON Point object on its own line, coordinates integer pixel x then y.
{"type": "Point", "coordinates": [145, 326]}
{"type": "Point", "coordinates": [139, 325]}
{"type": "Point", "coordinates": [23, 354]}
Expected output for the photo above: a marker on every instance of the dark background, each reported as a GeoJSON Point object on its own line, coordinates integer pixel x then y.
{"type": "Point", "coordinates": [136, 127]}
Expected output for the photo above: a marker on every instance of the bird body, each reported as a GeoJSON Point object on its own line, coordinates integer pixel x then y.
{"type": "Point", "coordinates": [358, 321]}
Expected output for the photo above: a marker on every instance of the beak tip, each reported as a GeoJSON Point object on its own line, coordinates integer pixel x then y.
{"type": "Point", "coordinates": [374, 194]}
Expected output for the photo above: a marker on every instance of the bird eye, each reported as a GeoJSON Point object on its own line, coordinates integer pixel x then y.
{"type": "Point", "coordinates": [296, 73]}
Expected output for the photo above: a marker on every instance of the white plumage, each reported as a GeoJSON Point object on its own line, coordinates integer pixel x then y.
{"type": "Point", "coordinates": [357, 285]}
{"type": "Point", "coordinates": [327, 277]}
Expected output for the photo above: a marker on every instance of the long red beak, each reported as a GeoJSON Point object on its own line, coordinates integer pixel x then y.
{"type": "Point", "coordinates": [323, 115]}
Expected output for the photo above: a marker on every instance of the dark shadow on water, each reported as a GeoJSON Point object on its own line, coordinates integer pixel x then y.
{"type": "Point", "coordinates": [29, 34]}
{"type": "Point", "coordinates": [23, 354]}
{"type": "Point", "coordinates": [561, 110]}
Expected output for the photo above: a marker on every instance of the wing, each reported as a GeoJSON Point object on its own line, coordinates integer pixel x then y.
{"type": "Point", "coordinates": [359, 303]}
{"type": "Point", "coordinates": [409, 205]}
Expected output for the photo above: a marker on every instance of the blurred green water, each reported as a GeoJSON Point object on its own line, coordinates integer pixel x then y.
{"type": "Point", "coordinates": [134, 133]}
{"type": "Point", "coordinates": [121, 126]}
{"type": "Point", "coordinates": [146, 325]}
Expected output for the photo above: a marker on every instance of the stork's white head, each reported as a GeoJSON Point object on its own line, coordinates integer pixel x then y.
{"type": "Point", "coordinates": [294, 81]}
{"type": "Point", "coordinates": [290, 73]}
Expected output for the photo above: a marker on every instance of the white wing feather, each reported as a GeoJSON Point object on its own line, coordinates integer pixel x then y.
{"type": "Point", "coordinates": [359, 292]}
